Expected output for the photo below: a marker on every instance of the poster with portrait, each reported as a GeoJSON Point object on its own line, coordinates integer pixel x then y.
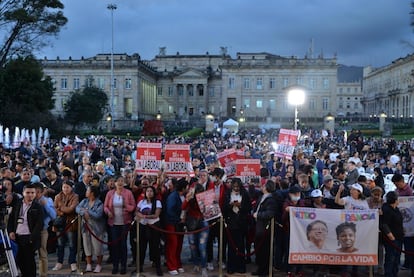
{"type": "Point", "coordinates": [286, 143]}
{"type": "Point", "coordinates": [177, 160]}
{"type": "Point", "coordinates": [208, 204]}
{"type": "Point", "coordinates": [227, 159]}
{"type": "Point", "coordinates": [248, 169]}
{"type": "Point", "coordinates": [333, 237]}
{"type": "Point", "coordinates": [406, 206]}
{"type": "Point", "coordinates": [148, 160]}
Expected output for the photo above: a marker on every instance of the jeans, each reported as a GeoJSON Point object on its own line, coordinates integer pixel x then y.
{"type": "Point", "coordinates": [70, 238]}
{"type": "Point", "coordinates": [198, 245]}
{"type": "Point", "coordinates": [119, 249]}
{"type": "Point", "coordinates": [392, 258]}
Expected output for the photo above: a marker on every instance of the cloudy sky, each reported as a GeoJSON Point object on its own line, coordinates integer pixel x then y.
{"type": "Point", "coordinates": [360, 32]}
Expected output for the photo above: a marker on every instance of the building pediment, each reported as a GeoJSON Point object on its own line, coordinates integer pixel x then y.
{"type": "Point", "coordinates": [191, 74]}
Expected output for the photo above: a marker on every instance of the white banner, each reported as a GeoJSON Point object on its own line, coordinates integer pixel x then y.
{"type": "Point", "coordinates": [330, 236]}
{"type": "Point", "coordinates": [406, 206]}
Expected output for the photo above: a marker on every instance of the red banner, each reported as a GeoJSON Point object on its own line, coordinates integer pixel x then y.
{"type": "Point", "coordinates": [248, 169]}
{"type": "Point", "coordinates": [148, 160]}
{"type": "Point", "coordinates": [226, 159]}
{"type": "Point", "coordinates": [177, 160]}
{"type": "Point", "coordinates": [286, 143]}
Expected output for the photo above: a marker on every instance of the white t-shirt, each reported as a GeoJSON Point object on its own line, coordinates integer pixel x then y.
{"type": "Point", "coordinates": [355, 204]}
{"type": "Point", "coordinates": [118, 203]}
{"type": "Point", "coordinates": [145, 207]}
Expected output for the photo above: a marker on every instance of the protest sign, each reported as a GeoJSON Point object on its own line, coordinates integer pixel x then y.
{"type": "Point", "coordinates": [227, 159]}
{"type": "Point", "coordinates": [334, 237]}
{"type": "Point", "coordinates": [208, 204]}
{"type": "Point", "coordinates": [247, 169]}
{"type": "Point", "coordinates": [286, 143]}
{"type": "Point", "coordinates": [148, 160]}
{"type": "Point", "coordinates": [406, 206]}
{"type": "Point", "coordinates": [177, 160]}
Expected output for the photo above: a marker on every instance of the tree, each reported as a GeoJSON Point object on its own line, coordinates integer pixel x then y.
{"type": "Point", "coordinates": [27, 25]}
{"type": "Point", "coordinates": [26, 96]}
{"type": "Point", "coordinates": [86, 107]}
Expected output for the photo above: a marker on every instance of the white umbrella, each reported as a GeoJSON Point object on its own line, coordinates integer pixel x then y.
{"type": "Point", "coordinates": [7, 138]}
{"type": "Point", "coordinates": [16, 138]}
{"type": "Point", "coordinates": [40, 135]}
{"type": "Point", "coordinates": [1, 134]}
{"type": "Point", "coordinates": [34, 137]}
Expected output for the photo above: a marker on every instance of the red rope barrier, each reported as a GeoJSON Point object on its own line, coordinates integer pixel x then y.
{"type": "Point", "coordinates": [108, 242]}
{"type": "Point", "coordinates": [62, 233]}
{"type": "Point", "coordinates": [399, 249]}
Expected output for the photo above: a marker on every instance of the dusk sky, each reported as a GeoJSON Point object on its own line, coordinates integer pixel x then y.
{"type": "Point", "coordinates": [360, 32]}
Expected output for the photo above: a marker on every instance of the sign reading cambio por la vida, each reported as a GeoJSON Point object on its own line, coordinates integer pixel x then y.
{"type": "Point", "coordinates": [148, 160]}
{"type": "Point", "coordinates": [177, 160]}
{"type": "Point", "coordinates": [247, 169]}
{"type": "Point", "coordinates": [334, 237]}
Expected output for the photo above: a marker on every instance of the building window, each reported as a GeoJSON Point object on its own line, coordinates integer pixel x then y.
{"type": "Point", "coordinates": [114, 84]}
{"type": "Point", "coordinates": [259, 103]}
{"type": "Point", "coordinates": [272, 104]}
{"type": "Point", "coordinates": [170, 91]}
{"type": "Point", "coordinates": [246, 83]}
{"type": "Point", "coordinates": [246, 103]}
{"type": "Point", "coordinates": [211, 91]}
{"type": "Point", "coordinates": [285, 82]}
{"type": "Point", "coordinates": [312, 83]}
{"type": "Point", "coordinates": [312, 104]}
{"type": "Point", "coordinates": [348, 90]}
{"type": "Point", "coordinates": [259, 83]}
{"type": "Point", "coordinates": [190, 90]}
{"type": "Point", "coordinates": [272, 83]}
{"type": "Point", "coordinates": [128, 83]}
{"type": "Point", "coordinates": [325, 104]}
{"type": "Point", "coordinates": [159, 91]}
{"type": "Point", "coordinates": [299, 80]}
{"type": "Point", "coordinates": [76, 83]}
{"type": "Point", "coordinates": [355, 106]}
{"type": "Point", "coordinates": [355, 89]}
{"type": "Point", "coordinates": [232, 83]}
{"type": "Point", "coordinates": [326, 83]}
{"type": "Point", "coordinates": [341, 90]}
{"type": "Point", "coordinates": [64, 83]}
{"type": "Point", "coordinates": [170, 109]}
{"type": "Point", "coordinates": [180, 90]}
{"type": "Point", "coordinates": [89, 82]}
{"type": "Point", "coordinates": [200, 89]}
{"type": "Point", "coordinates": [101, 83]}
{"type": "Point", "coordinates": [341, 106]}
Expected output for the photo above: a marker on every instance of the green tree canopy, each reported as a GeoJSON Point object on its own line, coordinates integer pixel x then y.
{"type": "Point", "coordinates": [86, 107]}
{"type": "Point", "coordinates": [26, 25]}
{"type": "Point", "coordinates": [26, 96]}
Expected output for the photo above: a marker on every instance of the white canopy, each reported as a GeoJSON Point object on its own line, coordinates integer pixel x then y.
{"type": "Point", "coordinates": [231, 125]}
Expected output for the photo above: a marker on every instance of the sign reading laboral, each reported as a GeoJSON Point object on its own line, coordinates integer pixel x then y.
{"type": "Point", "coordinates": [406, 206]}
{"type": "Point", "coordinates": [334, 237]}
{"type": "Point", "coordinates": [286, 143]}
{"type": "Point", "coordinates": [177, 160]}
{"type": "Point", "coordinates": [247, 169]}
{"type": "Point", "coordinates": [148, 160]}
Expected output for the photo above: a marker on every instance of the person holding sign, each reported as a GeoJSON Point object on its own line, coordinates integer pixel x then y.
{"type": "Point", "coordinates": [392, 228]}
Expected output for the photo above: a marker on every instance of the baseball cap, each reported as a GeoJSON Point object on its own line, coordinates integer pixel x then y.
{"type": "Point", "coordinates": [357, 187]}
{"type": "Point", "coordinates": [327, 178]}
{"type": "Point", "coordinates": [316, 193]}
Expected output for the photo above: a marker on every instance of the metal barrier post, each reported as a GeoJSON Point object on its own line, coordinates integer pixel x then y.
{"type": "Point", "coordinates": [137, 258]}
{"type": "Point", "coordinates": [371, 271]}
{"type": "Point", "coordinates": [272, 233]}
{"type": "Point", "coordinates": [79, 246]}
{"type": "Point", "coordinates": [221, 248]}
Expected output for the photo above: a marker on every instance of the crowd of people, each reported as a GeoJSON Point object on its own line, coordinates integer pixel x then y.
{"type": "Point", "coordinates": [96, 179]}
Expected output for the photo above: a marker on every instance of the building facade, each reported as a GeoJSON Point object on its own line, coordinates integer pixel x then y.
{"type": "Point", "coordinates": [185, 88]}
{"type": "Point", "coordinates": [389, 90]}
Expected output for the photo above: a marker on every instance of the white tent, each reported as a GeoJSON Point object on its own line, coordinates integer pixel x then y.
{"type": "Point", "coordinates": [231, 125]}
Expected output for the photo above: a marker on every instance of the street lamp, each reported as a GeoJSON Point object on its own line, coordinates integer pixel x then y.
{"type": "Point", "coordinates": [382, 117]}
{"type": "Point", "coordinates": [112, 7]}
{"type": "Point", "coordinates": [296, 96]}
{"type": "Point", "coordinates": [158, 115]}
{"type": "Point", "coordinates": [109, 122]}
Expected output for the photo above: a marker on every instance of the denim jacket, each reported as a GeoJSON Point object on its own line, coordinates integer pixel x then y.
{"type": "Point", "coordinates": [96, 220]}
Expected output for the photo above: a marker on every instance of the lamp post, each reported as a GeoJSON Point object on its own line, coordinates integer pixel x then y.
{"type": "Point", "coordinates": [296, 96]}
{"type": "Point", "coordinates": [158, 115]}
{"type": "Point", "coordinates": [241, 119]}
{"type": "Point", "coordinates": [382, 118]}
{"type": "Point", "coordinates": [112, 7]}
{"type": "Point", "coordinates": [109, 122]}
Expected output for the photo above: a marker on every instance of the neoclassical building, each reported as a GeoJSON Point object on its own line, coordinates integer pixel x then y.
{"type": "Point", "coordinates": [185, 88]}
{"type": "Point", "coordinates": [389, 90]}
